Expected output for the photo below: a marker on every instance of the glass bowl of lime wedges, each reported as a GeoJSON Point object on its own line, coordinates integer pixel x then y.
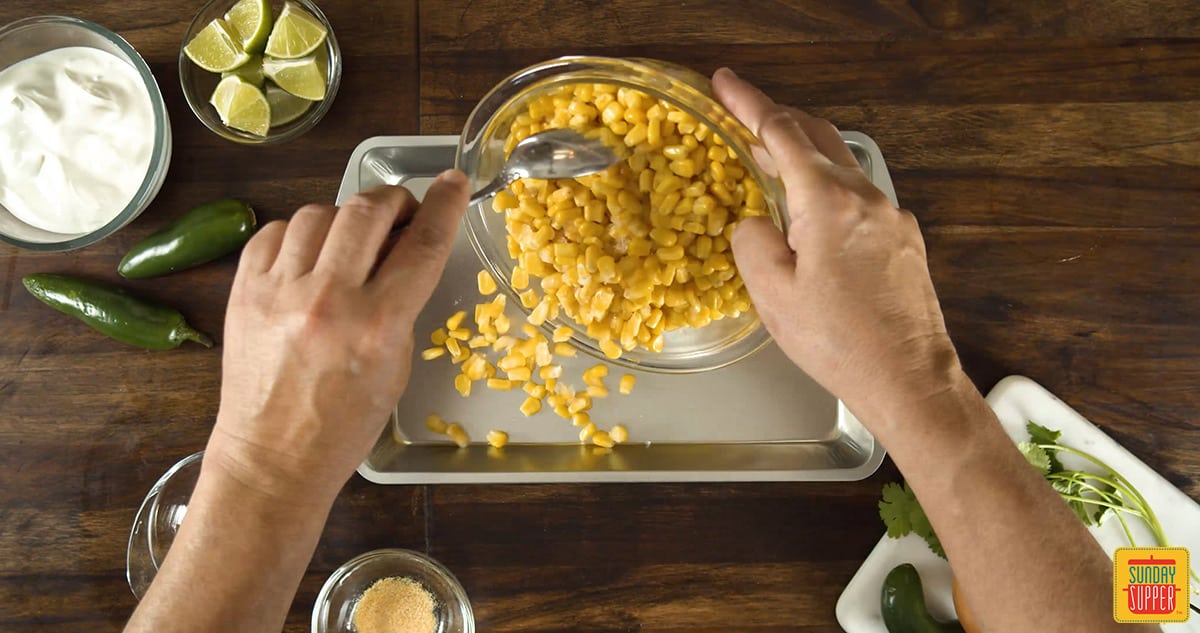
{"type": "Point", "coordinates": [258, 72]}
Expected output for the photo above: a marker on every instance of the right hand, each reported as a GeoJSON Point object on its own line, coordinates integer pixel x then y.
{"type": "Point", "coordinates": [847, 294]}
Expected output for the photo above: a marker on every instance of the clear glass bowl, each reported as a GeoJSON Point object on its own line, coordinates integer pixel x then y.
{"type": "Point", "coordinates": [198, 84]}
{"type": "Point", "coordinates": [158, 520]}
{"type": "Point", "coordinates": [33, 36]}
{"type": "Point", "coordinates": [481, 155]}
{"type": "Point", "coordinates": [333, 611]}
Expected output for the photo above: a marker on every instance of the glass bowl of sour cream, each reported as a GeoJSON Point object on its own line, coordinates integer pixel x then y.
{"type": "Point", "coordinates": [85, 140]}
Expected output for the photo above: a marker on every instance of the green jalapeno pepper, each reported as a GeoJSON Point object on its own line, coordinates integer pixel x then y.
{"type": "Point", "coordinates": [903, 604]}
{"type": "Point", "coordinates": [203, 234]}
{"type": "Point", "coordinates": [114, 312]}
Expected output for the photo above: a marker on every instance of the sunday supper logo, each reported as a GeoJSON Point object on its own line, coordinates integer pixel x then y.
{"type": "Point", "coordinates": [1150, 584]}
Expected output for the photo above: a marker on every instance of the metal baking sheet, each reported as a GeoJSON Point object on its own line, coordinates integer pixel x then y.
{"type": "Point", "coordinates": [760, 419]}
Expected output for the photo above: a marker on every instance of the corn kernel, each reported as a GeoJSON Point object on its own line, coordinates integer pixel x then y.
{"type": "Point", "coordinates": [529, 298]}
{"type": "Point", "coordinates": [487, 285]}
{"type": "Point", "coordinates": [626, 384]}
{"type": "Point", "coordinates": [580, 419]}
{"type": "Point", "coordinates": [602, 438]}
{"type": "Point", "coordinates": [454, 347]}
{"type": "Point", "coordinates": [579, 403]}
{"type": "Point", "coordinates": [564, 349]}
{"type": "Point", "coordinates": [435, 423]}
{"type": "Point", "coordinates": [562, 333]}
{"type": "Point", "coordinates": [619, 434]}
{"type": "Point", "coordinates": [499, 384]}
{"type": "Point", "coordinates": [520, 374]}
{"type": "Point", "coordinates": [456, 320]}
{"type": "Point", "coordinates": [531, 406]}
{"type": "Point", "coordinates": [550, 372]}
{"type": "Point", "coordinates": [433, 352]}
{"type": "Point", "coordinates": [477, 342]}
{"type": "Point", "coordinates": [534, 390]}
{"type": "Point", "coordinates": [504, 343]}
{"type": "Point", "coordinates": [461, 334]}
{"type": "Point", "coordinates": [587, 431]}
{"type": "Point", "coordinates": [597, 391]}
{"type": "Point", "coordinates": [610, 349]}
{"type": "Point", "coordinates": [595, 374]}
{"type": "Point", "coordinates": [458, 435]}
{"type": "Point", "coordinates": [497, 439]}
{"type": "Point", "coordinates": [463, 385]}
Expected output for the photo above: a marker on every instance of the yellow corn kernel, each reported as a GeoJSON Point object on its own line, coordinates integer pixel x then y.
{"type": "Point", "coordinates": [602, 439]}
{"type": "Point", "coordinates": [610, 349]}
{"type": "Point", "coordinates": [497, 439]}
{"type": "Point", "coordinates": [461, 334]}
{"type": "Point", "coordinates": [595, 374]}
{"type": "Point", "coordinates": [534, 390]}
{"type": "Point", "coordinates": [539, 314]}
{"type": "Point", "coordinates": [504, 343]}
{"type": "Point", "coordinates": [458, 435]}
{"type": "Point", "coordinates": [477, 342]}
{"type": "Point", "coordinates": [499, 384]}
{"type": "Point", "coordinates": [579, 403]}
{"type": "Point", "coordinates": [439, 336]}
{"type": "Point", "coordinates": [550, 372]}
{"type": "Point", "coordinates": [463, 385]}
{"type": "Point", "coordinates": [597, 391]}
{"type": "Point", "coordinates": [519, 278]}
{"type": "Point", "coordinates": [562, 333]}
{"type": "Point", "coordinates": [475, 367]}
{"type": "Point", "coordinates": [503, 324]}
{"type": "Point", "coordinates": [670, 253]}
{"type": "Point", "coordinates": [542, 355]}
{"type": "Point", "coordinates": [626, 384]}
{"type": "Point", "coordinates": [433, 352]}
{"type": "Point", "coordinates": [532, 332]}
{"type": "Point", "coordinates": [529, 298]}
{"type": "Point", "coordinates": [487, 285]}
{"type": "Point", "coordinates": [453, 346]}
{"type": "Point", "coordinates": [435, 423]}
{"type": "Point", "coordinates": [580, 419]}
{"type": "Point", "coordinates": [456, 320]}
{"type": "Point", "coordinates": [587, 431]}
{"type": "Point", "coordinates": [520, 374]}
{"type": "Point", "coordinates": [531, 406]}
{"type": "Point", "coordinates": [619, 434]}
{"type": "Point", "coordinates": [514, 360]}
{"type": "Point", "coordinates": [564, 349]}
{"type": "Point", "coordinates": [561, 411]}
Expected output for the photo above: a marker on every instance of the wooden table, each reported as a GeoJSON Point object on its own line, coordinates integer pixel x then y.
{"type": "Point", "coordinates": [1051, 150]}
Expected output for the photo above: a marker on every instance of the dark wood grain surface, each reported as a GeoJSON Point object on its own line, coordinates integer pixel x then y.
{"type": "Point", "coordinates": [1051, 150]}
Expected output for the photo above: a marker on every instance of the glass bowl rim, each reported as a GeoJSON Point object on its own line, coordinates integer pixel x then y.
{"type": "Point", "coordinates": [159, 163]}
{"type": "Point", "coordinates": [308, 121]}
{"type": "Point", "coordinates": [413, 560]}
{"type": "Point", "coordinates": [478, 122]}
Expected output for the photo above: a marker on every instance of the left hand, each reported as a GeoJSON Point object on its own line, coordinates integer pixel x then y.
{"type": "Point", "coordinates": [319, 336]}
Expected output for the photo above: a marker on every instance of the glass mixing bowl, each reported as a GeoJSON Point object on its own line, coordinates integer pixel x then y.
{"type": "Point", "coordinates": [198, 84]}
{"type": "Point", "coordinates": [158, 520]}
{"type": "Point", "coordinates": [481, 154]}
{"type": "Point", "coordinates": [333, 611]}
{"type": "Point", "coordinates": [33, 36]}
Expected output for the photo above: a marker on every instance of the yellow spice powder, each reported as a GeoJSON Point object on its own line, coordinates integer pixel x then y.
{"type": "Point", "coordinates": [395, 605]}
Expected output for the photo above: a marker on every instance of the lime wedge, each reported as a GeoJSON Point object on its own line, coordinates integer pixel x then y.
{"type": "Point", "coordinates": [242, 106]}
{"type": "Point", "coordinates": [251, 71]}
{"type": "Point", "coordinates": [285, 107]}
{"type": "Point", "coordinates": [216, 48]}
{"type": "Point", "coordinates": [296, 34]}
{"type": "Point", "coordinates": [304, 77]}
{"type": "Point", "coordinates": [251, 20]}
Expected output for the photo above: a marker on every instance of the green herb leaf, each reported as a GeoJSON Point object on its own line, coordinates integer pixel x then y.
{"type": "Point", "coordinates": [902, 514]}
{"type": "Point", "coordinates": [1039, 434]}
{"type": "Point", "coordinates": [1036, 456]}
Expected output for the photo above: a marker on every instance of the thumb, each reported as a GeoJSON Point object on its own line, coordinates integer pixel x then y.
{"type": "Point", "coordinates": [413, 267]}
{"type": "Point", "coordinates": [764, 260]}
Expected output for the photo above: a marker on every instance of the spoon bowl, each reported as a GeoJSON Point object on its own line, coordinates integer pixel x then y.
{"type": "Point", "coordinates": [550, 155]}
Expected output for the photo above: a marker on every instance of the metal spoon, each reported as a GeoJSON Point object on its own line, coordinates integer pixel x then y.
{"type": "Point", "coordinates": [552, 154]}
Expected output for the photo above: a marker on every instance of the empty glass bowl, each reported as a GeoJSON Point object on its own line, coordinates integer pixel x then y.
{"type": "Point", "coordinates": [33, 36]}
{"type": "Point", "coordinates": [333, 611]}
{"type": "Point", "coordinates": [198, 84]}
{"type": "Point", "coordinates": [158, 520]}
{"type": "Point", "coordinates": [481, 154]}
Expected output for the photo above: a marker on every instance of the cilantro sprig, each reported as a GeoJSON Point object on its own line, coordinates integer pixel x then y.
{"type": "Point", "coordinates": [1091, 496]}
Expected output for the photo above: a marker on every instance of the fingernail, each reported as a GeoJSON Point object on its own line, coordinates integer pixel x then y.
{"type": "Point", "coordinates": [453, 177]}
{"type": "Point", "coordinates": [725, 70]}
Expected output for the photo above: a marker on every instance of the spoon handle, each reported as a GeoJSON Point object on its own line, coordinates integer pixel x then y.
{"type": "Point", "coordinates": [499, 182]}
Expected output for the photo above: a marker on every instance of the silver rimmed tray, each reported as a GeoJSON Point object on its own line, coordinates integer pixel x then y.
{"type": "Point", "coordinates": [761, 419]}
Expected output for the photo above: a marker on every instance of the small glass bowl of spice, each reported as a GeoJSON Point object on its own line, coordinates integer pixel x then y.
{"type": "Point", "coordinates": [392, 591]}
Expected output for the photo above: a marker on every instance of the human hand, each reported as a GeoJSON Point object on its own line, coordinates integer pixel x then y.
{"type": "Point", "coordinates": [847, 294]}
{"type": "Point", "coordinates": [319, 335]}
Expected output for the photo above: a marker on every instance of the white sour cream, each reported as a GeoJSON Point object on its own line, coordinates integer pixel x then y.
{"type": "Point", "coordinates": [76, 136]}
